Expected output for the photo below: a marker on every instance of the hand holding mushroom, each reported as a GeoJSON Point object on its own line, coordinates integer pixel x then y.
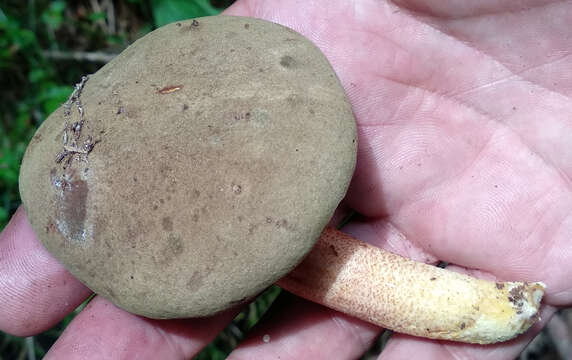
{"type": "Point", "coordinates": [445, 171]}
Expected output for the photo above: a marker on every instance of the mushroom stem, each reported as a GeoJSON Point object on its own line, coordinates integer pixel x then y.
{"type": "Point", "coordinates": [405, 296]}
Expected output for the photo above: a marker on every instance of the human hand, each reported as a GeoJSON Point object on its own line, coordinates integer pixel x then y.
{"type": "Point", "coordinates": [463, 120]}
{"type": "Point", "coordinates": [462, 158]}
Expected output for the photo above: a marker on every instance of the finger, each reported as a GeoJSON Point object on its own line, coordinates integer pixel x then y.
{"type": "Point", "coordinates": [103, 331]}
{"type": "Point", "coordinates": [36, 292]}
{"type": "Point", "coordinates": [295, 328]}
{"type": "Point", "coordinates": [298, 329]}
{"type": "Point", "coordinates": [409, 347]}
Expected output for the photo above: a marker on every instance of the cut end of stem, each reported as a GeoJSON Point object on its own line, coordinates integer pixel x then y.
{"type": "Point", "coordinates": [504, 314]}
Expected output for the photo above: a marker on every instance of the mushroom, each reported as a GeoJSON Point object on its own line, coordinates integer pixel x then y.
{"type": "Point", "coordinates": [201, 166]}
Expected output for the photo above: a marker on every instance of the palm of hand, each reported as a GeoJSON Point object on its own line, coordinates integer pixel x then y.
{"type": "Point", "coordinates": [464, 119]}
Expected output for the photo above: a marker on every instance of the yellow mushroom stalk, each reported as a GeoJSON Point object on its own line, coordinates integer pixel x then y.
{"type": "Point", "coordinates": [411, 297]}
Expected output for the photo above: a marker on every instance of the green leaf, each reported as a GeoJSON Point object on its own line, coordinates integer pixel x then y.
{"type": "Point", "coordinates": [95, 16]}
{"type": "Point", "coordinates": [10, 164]}
{"type": "Point", "coordinates": [3, 17]}
{"type": "Point", "coordinates": [211, 352]}
{"type": "Point", "coordinates": [23, 38]}
{"type": "Point", "coordinates": [52, 20]}
{"type": "Point", "coordinates": [37, 75]}
{"type": "Point", "coordinates": [58, 6]}
{"type": "Point", "coordinates": [144, 30]}
{"type": "Point", "coordinates": [53, 16]}
{"type": "Point", "coordinates": [3, 215]}
{"type": "Point", "coordinates": [52, 96]}
{"type": "Point", "coordinates": [114, 40]}
{"type": "Point", "coordinates": [167, 11]}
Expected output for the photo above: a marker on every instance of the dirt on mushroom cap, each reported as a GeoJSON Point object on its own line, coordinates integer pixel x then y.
{"type": "Point", "coordinates": [218, 149]}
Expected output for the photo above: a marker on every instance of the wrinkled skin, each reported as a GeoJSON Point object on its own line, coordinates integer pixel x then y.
{"type": "Point", "coordinates": [464, 117]}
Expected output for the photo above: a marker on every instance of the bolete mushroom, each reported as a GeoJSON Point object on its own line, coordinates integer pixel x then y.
{"type": "Point", "coordinates": [202, 164]}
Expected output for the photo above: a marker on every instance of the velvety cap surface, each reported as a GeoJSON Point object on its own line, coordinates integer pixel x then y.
{"type": "Point", "coordinates": [211, 154]}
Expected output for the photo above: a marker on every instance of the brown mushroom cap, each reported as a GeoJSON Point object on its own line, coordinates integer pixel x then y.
{"type": "Point", "coordinates": [211, 155]}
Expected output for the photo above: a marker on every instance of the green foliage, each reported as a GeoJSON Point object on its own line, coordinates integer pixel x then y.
{"type": "Point", "coordinates": [53, 16]}
{"type": "Point", "coordinates": [167, 11]}
{"type": "Point", "coordinates": [30, 91]}
{"type": "Point", "coordinates": [236, 331]}
{"type": "Point", "coordinates": [11, 346]}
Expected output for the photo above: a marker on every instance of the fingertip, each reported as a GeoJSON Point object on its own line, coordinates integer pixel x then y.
{"type": "Point", "coordinates": [104, 331]}
{"type": "Point", "coordinates": [36, 291]}
{"type": "Point", "coordinates": [298, 329]}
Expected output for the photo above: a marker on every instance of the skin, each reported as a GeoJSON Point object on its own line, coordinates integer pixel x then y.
{"type": "Point", "coordinates": [463, 113]}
